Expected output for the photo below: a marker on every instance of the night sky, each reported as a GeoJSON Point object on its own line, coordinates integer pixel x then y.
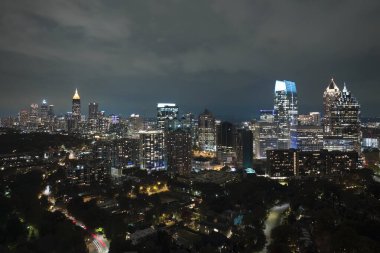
{"type": "Point", "coordinates": [224, 55]}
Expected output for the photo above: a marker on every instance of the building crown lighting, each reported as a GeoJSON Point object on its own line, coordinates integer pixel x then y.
{"type": "Point", "coordinates": [76, 95]}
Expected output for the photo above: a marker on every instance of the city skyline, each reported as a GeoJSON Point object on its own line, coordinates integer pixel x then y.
{"type": "Point", "coordinates": [152, 113]}
{"type": "Point", "coordinates": [128, 56]}
{"type": "Point", "coordinates": [195, 126]}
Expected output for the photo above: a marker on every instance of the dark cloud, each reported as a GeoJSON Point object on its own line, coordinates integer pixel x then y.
{"type": "Point", "coordinates": [220, 54]}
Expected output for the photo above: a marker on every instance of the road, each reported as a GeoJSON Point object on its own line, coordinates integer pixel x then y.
{"type": "Point", "coordinates": [274, 219]}
{"type": "Point", "coordinates": [99, 244]}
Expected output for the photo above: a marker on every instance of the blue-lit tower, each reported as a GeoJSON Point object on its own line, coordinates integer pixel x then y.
{"type": "Point", "coordinates": [286, 111]}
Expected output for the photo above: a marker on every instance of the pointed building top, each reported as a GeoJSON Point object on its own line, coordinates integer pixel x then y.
{"type": "Point", "coordinates": [345, 88]}
{"type": "Point", "coordinates": [332, 87]}
{"type": "Point", "coordinates": [76, 95]}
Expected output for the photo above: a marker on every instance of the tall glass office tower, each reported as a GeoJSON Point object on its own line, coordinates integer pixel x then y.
{"type": "Point", "coordinates": [330, 98]}
{"type": "Point", "coordinates": [286, 110]}
{"type": "Point", "coordinates": [166, 112]}
{"type": "Point", "coordinates": [345, 123]}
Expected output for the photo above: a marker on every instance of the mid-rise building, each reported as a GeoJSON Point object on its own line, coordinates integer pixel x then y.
{"type": "Point", "coordinates": [307, 137]}
{"type": "Point", "coordinates": [311, 119]}
{"type": "Point", "coordinates": [292, 162]}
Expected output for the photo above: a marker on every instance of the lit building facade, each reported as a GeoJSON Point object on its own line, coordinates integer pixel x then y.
{"type": "Point", "coordinates": [206, 131]}
{"type": "Point", "coordinates": [286, 110]}
{"type": "Point", "coordinates": [307, 137]}
{"type": "Point", "coordinates": [152, 150]}
{"type": "Point", "coordinates": [344, 124]}
{"type": "Point", "coordinates": [311, 119]}
{"type": "Point", "coordinates": [44, 112]}
{"type": "Point", "coordinates": [166, 112]}
{"type": "Point", "coordinates": [93, 111]}
{"type": "Point", "coordinates": [292, 162]}
{"type": "Point", "coordinates": [76, 109]}
{"type": "Point", "coordinates": [265, 134]}
{"type": "Point", "coordinates": [135, 124]}
{"type": "Point", "coordinates": [179, 151]}
{"type": "Point", "coordinates": [330, 98]}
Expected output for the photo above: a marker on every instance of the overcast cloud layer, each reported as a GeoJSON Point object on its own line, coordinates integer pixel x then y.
{"type": "Point", "coordinates": [224, 55]}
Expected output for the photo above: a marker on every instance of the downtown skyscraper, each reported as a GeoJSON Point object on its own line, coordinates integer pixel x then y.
{"type": "Point", "coordinates": [206, 131]}
{"type": "Point", "coordinates": [342, 122]}
{"type": "Point", "coordinates": [285, 110]}
{"type": "Point", "coordinates": [76, 107]}
{"type": "Point", "coordinates": [330, 98]}
{"type": "Point", "coordinates": [166, 112]}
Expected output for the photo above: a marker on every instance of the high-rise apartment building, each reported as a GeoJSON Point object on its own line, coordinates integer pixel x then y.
{"type": "Point", "coordinates": [206, 131]}
{"type": "Point", "coordinates": [135, 124]}
{"type": "Point", "coordinates": [179, 150]}
{"type": "Point", "coordinates": [152, 150]}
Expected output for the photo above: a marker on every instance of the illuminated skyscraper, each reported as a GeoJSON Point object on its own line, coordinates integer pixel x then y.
{"type": "Point", "coordinates": [33, 117]}
{"type": "Point", "coordinates": [189, 123]}
{"type": "Point", "coordinates": [286, 110]}
{"type": "Point", "coordinates": [166, 112]}
{"type": "Point", "coordinates": [206, 131]}
{"type": "Point", "coordinates": [135, 124]}
{"type": "Point", "coordinates": [152, 150]}
{"type": "Point", "coordinates": [265, 134]}
{"type": "Point", "coordinates": [93, 111]}
{"type": "Point", "coordinates": [345, 122]}
{"type": "Point", "coordinates": [51, 111]}
{"type": "Point", "coordinates": [23, 118]}
{"type": "Point", "coordinates": [76, 106]}
{"type": "Point", "coordinates": [178, 148]}
{"type": "Point", "coordinates": [44, 111]}
{"type": "Point", "coordinates": [330, 97]}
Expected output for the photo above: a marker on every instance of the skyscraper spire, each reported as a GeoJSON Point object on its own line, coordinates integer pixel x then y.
{"type": "Point", "coordinates": [344, 88]}
{"type": "Point", "coordinates": [332, 87]}
{"type": "Point", "coordinates": [330, 97]}
{"type": "Point", "coordinates": [76, 95]}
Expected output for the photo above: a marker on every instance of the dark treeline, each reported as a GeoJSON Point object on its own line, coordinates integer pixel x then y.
{"type": "Point", "coordinates": [13, 141]}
